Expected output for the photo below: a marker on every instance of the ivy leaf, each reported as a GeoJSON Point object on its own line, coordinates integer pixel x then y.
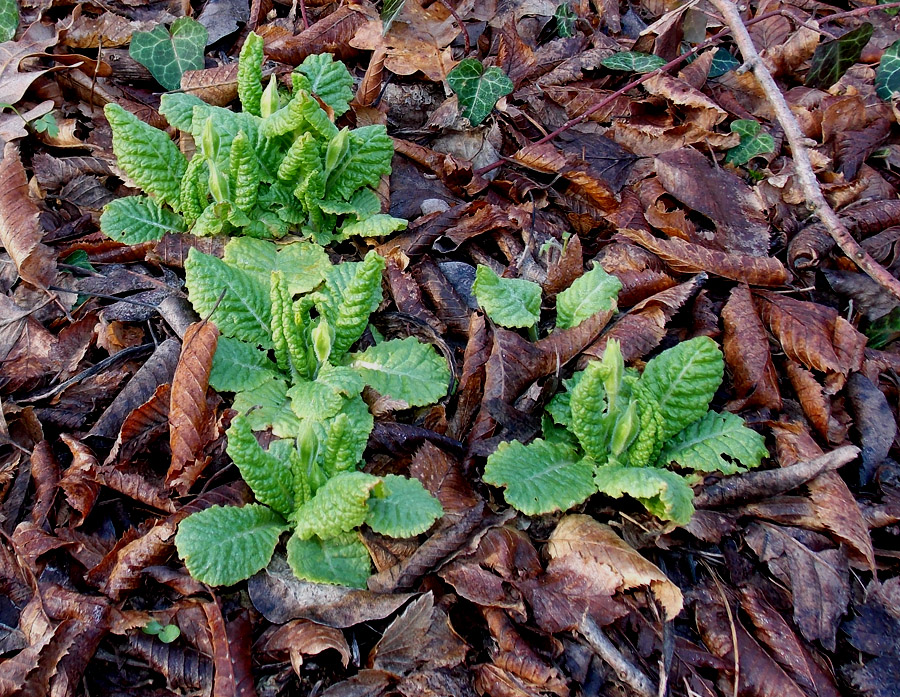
{"type": "Point", "coordinates": [404, 369]}
{"type": "Point", "coordinates": [665, 494]}
{"type": "Point", "coordinates": [168, 53]}
{"type": "Point", "coordinates": [891, 11]}
{"type": "Point", "coordinates": [833, 58]}
{"type": "Point", "coordinates": [590, 293]}
{"type": "Point", "coordinates": [701, 445]}
{"type": "Point", "coordinates": [565, 21]}
{"type": "Point", "coordinates": [303, 264]}
{"type": "Point", "coordinates": [269, 478]}
{"type": "Point", "coordinates": [402, 507]}
{"type": "Point", "coordinates": [510, 302]}
{"type": "Point", "coordinates": [887, 77]}
{"type": "Point", "coordinates": [329, 80]}
{"type": "Point", "coordinates": [341, 560]}
{"type": "Point", "coordinates": [477, 88]}
{"type": "Point", "coordinates": [338, 506]}
{"type": "Point", "coordinates": [683, 380]}
{"type": "Point", "coordinates": [722, 63]}
{"type": "Point", "coordinates": [239, 366]}
{"type": "Point", "coordinates": [633, 62]}
{"type": "Point", "coordinates": [753, 142]}
{"type": "Point", "coordinates": [226, 544]}
{"type": "Point", "coordinates": [540, 477]}
{"type": "Point", "coordinates": [136, 219]}
{"type": "Point", "coordinates": [9, 19]}
{"type": "Point", "coordinates": [389, 11]}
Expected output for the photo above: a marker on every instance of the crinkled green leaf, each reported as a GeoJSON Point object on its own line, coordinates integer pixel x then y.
{"type": "Point", "coordinates": [135, 219]}
{"type": "Point", "coordinates": [887, 77]}
{"type": "Point", "coordinates": [368, 159]}
{"type": "Point", "coordinates": [239, 366]}
{"type": "Point", "coordinates": [363, 204]}
{"type": "Point", "coordinates": [268, 406]}
{"type": "Point", "coordinates": [178, 108]}
{"type": "Point", "coordinates": [404, 369]}
{"type": "Point", "coordinates": [147, 155]}
{"type": "Point", "coordinates": [244, 311]}
{"type": "Point", "coordinates": [226, 544]}
{"type": "Point", "coordinates": [540, 477]}
{"type": "Point", "coordinates": [590, 293]}
{"type": "Point", "coordinates": [833, 58]}
{"type": "Point", "coordinates": [341, 560]}
{"type": "Point", "coordinates": [303, 264]}
{"type": "Point", "coordinates": [389, 11]}
{"type": "Point", "coordinates": [701, 445]}
{"type": "Point", "coordinates": [338, 506]}
{"type": "Point", "coordinates": [683, 380]}
{"type": "Point", "coordinates": [510, 302]}
{"type": "Point", "coordinates": [289, 332]}
{"type": "Point", "coordinates": [329, 80]}
{"type": "Point", "coordinates": [375, 226]}
{"type": "Point", "coordinates": [590, 421]}
{"type": "Point", "coordinates": [478, 89]}
{"type": "Point", "coordinates": [249, 78]}
{"type": "Point", "coordinates": [633, 62]}
{"type": "Point", "coordinates": [267, 151]}
{"type": "Point", "coordinates": [168, 53]}
{"type": "Point", "coordinates": [314, 399]}
{"type": "Point", "coordinates": [753, 142]}
{"type": "Point", "coordinates": [9, 19]}
{"type": "Point", "coordinates": [560, 407]}
{"type": "Point", "coordinates": [665, 494]}
{"type": "Point", "coordinates": [270, 479]}
{"type": "Point", "coordinates": [349, 300]}
{"type": "Point", "coordinates": [402, 507]}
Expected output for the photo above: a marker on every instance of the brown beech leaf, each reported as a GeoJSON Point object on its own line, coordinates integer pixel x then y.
{"type": "Point", "coordinates": [188, 408]}
{"type": "Point", "coordinates": [184, 668]}
{"type": "Point", "coordinates": [81, 481]}
{"type": "Point", "coordinates": [686, 257]}
{"type": "Point", "coordinates": [20, 232]}
{"type": "Point", "coordinates": [816, 404]}
{"type": "Point", "coordinates": [401, 644]}
{"type": "Point", "coordinates": [701, 109]}
{"type": "Point", "coordinates": [13, 83]}
{"type": "Point", "coordinates": [875, 422]}
{"type": "Point", "coordinates": [231, 652]}
{"type": "Point", "coordinates": [853, 147]}
{"type": "Point", "coordinates": [143, 425]}
{"type": "Point", "coordinates": [45, 475]}
{"type": "Point", "coordinates": [216, 86]}
{"type": "Point", "coordinates": [331, 34]}
{"type": "Point", "coordinates": [299, 638]}
{"type": "Point", "coordinates": [584, 178]}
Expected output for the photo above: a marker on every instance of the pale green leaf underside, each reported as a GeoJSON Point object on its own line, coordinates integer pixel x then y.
{"type": "Point", "coordinates": [404, 369]}
{"type": "Point", "coordinates": [701, 445]}
{"type": "Point", "coordinates": [136, 219]}
{"type": "Point", "coordinates": [226, 544]}
{"type": "Point", "coordinates": [402, 507]}
{"type": "Point", "coordinates": [239, 366]}
{"type": "Point", "coordinates": [633, 62]}
{"type": "Point", "coordinates": [665, 494]}
{"type": "Point", "coordinates": [269, 478]}
{"type": "Point", "coordinates": [541, 477]}
{"type": "Point", "coordinates": [509, 302]}
{"type": "Point", "coordinates": [341, 560]}
{"type": "Point", "coordinates": [167, 54]}
{"type": "Point", "coordinates": [590, 293]}
{"type": "Point", "coordinates": [477, 88]}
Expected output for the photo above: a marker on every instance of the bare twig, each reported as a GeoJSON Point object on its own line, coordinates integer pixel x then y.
{"type": "Point", "coordinates": [625, 670]}
{"type": "Point", "coordinates": [802, 166]}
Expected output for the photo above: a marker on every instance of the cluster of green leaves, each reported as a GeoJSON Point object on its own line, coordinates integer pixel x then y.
{"type": "Point", "coordinates": [477, 88]}
{"type": "Point", "coordinates": [616, 431]}
{"type": "Point", "coordinates": [279, 166]}
{"type": "Point", "coordinates": [291, 301]}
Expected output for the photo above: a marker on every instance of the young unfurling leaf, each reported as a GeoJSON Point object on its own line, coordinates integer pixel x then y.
{"type": "Point", "coordinates": [249, 78]}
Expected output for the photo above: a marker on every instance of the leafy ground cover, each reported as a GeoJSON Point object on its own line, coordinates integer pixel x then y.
{"type": "Point", "coordinates": [606, 202]}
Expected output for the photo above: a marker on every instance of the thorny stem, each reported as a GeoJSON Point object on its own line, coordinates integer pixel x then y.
{"type": "Point", "coordinates": [802, 165]}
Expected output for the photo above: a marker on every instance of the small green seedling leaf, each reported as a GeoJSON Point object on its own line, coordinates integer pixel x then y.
{"type": "Point", "coordinates": [887, 77]}
{"type": "Point", "coordinates": [9, 19]}
{"type": "Point", "coordinates": [722, 63]}
{"type": "Point", "coordinates": [389, 11]}
{"type": "Point", "coordinates": [633, 62]}
{"type": "Point", "coordinates": [46, 124]}
{"type": "Point", "coordinates": [510, 302]}
{"type": "Point", "coordinates": [477, 88]}
{"type": "Point", "coordinates": [169, 633]}
{"type": "Point", "coordinates": [168, 53]}
{"type": "Point", "coordinates": [80, 259]}
{"type": "Point", "coordinates": [833, 58]}
{"type": "Point", "coordinates": [565, 21]}
{"type": "Point", "coordinates": [753, 142]}
{"type": "Point", "coordinates": [153, 627]}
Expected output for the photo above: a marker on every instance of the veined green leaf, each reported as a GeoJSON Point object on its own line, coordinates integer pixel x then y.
{"type": "Point", "coordinates": [701, 445]}
{"type": "Point", "coordinates": [510, 302]}
{"type": "Point", "coordinates": [887, 77]}
{"type": "Point", "coordinates": [314, 399]}
{"type": "Point", "coordinates": [565, 20]}
{"type": "Point", "coordinates": [303, 264]}
{"type": "Point", "coordinates": [375, 226]}
{"type": "Point", "coordinates": [540, 477]}
{"type": "Point", "coordinates": [147, 155]}
{"type": "Point", "coordinates": [833, 58]}
{"type": "Point", "coordinates": [402, 507]}
{"type": "Point", "coordinates": [267, 406]}
{"type": "Point", "coordinates": [168, 53]}
{"type": "Point", "coordinates": [329, 80]}
{"type": "Point", "coordinates": [590, 419]}
{"type": "Point", "coordinates": [341, 560]}
{"type": "Point", "coordinates": [136, 219]}
{"type": "Point", "coordinates": [9, 19]}
{"type": "Point", "coordinates": [590, 293]}
{"type": "Point", "coordinates": [633, 62]}
{"type": "Point", "coordinates": [239, 366]}
{"type": "Point", "coordinates": [338, 506]}
{"type": "Point", "coordinates": [226, 544]}
{"type": "Point", "coordinates": [722, 63]}
{"type": "Point", "coordinates": [244, 311]}
{"type": "Point", "coordinates": [478, 89]}
{"type": "Point", "coordinates": [249, 79]}
{"type": "Point", "coordinates": [363, 204]}
{"type": "Point", "coordinates": [665, 494]}
{"type": "Point", "coordinates": [404, 369]}
{"type": "Point", "coordinates": [683, 380]}
{"type": "Point", "coordinates": [178, 108]}
{"type": "Point", "coordinates": [753, 142]}
{"type": "Point", "coordinates": [270, 479]}
{"type": "Point", "coordinates": [348, 306]}
{"type": "Point", "coordinates": [368, 159]}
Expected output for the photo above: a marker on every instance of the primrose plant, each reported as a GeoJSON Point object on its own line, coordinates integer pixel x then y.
{"type": "Point", "coordinates": [310, 398]}
{"type": "Point", "coordinates": [279, 166]}
{"type": "Point", "coordinates": [617, 432]}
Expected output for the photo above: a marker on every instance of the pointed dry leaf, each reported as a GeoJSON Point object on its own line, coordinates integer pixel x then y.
{"type": "Point", "coordinates": [231, 652]}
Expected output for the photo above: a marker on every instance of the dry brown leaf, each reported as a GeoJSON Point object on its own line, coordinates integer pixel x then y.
{"type": "Point", "coordinates": [20, 231]}
{"type": "Point", "coordinates": [816, 404]}
{"type": "Point", "coordinates": [216, 86]}
{"type": "Point", "coordinates": [585, 181]}
{"type": "Point", "coordinates": [300, 638]}
{"type": "Point", "coordinates": [702, 111]}
{"type": "Point", "coordinates": [231, 652]}
{"type": "Point", "coordinates": [81, 481]}
{"type": "Point", "coordinates": [13, 83]}
{"type": "Point", "coordinates": [188, 408]}
{"type": "Point", "coordinates": [329, 35]}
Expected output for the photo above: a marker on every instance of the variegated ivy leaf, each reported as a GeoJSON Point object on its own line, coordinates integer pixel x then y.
{"type": "Point", "coordinates": [9, 19]}
{"type": "Point", "coordinates": [887, 77]}
{"type": "Point", "coordinates": [375, 226]}
{"type": "Point", "coordinates": [267, 406]}
{"type": "Point", "coordinates": [340, 560]}
{"type": "Point", "coordinates": [722, 63]}
{"type": "Point", "coordinates": [338, 506]}
{"type": "Point", "coordinates": [478, 89]}
{"type": "Point", "coordinates": [565, 21]}
{"type": "Point", "coordinates": [270, 479]}
{"type": "Point", "coordinates": [402, 507]}
{"type": "Point", "coordinates": [226, 544]}
{"type": "Point", "coordinates": [510, 302]}
{"type": "Point", "coordinates": [329, 80]}
{"type": "Point", "coordinates": [753, 142]}
{"type": "Point", "coordinates": [136, 219]}
{"type": "Point", "coordinates": [665, 494]}
{"type": "Point", "coordinates": [239, 366]}
{"type": "Point", "coordinates": [404, 369]}
{"type": "Point", "coordinates": [633, 62]}
{"type": "Point", "coordinates": [590, 293]}
{"type": "Point", "coordinates": [168, 53]}
{"type": "Point", "coordinates": [701, 445]}
{"type": "Point", "coordinates": [833, 58]}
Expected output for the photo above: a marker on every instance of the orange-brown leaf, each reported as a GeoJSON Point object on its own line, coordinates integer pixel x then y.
{"type": "Point", "coordinates": [548, 159]}
{"type": "Point", "coordinates": [216, 86]}
{"type": "Point", "coordinates": [299, 638]}
{"type": "Point", "coordinates": [329, 35]}
{"type": "Point", "coordinates": [231, 652]}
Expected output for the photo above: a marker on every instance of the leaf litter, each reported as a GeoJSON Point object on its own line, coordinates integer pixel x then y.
{"type": "Point", "coordinates": [536, 144]}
